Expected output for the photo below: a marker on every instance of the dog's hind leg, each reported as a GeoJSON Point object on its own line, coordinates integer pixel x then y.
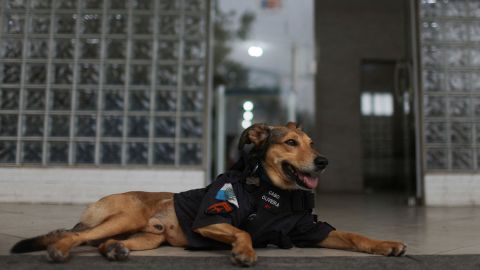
{"type": "Point", "coordinates": [116, 250]}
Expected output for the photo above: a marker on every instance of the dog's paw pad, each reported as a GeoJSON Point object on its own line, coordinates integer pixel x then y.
{"type": "Point", "coordinates": [56, 255]}
{"type": "Point", "coordinates": [117, 252]}
{"type": "Point", "coordinates": [243, 259]}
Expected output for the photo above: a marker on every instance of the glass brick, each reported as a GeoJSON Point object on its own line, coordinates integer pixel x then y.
{"type": "Point", "coordinates": [477, 134]}
{"type": "Point", "coordinates": [138, 126]}
{"type": "Point", "coordinates": [90, 48]}
{"type": "Point", "coordinates": [8, 151]}
{"type": "Point", "coordinates": [430, 31]}
{"type": "Point", "coordinates": [16, 4]}
{"type": "Point", "coordinates": [14, 23]}
{"type": "Point", "coordinates": [437, 159]}
{"type": "Point", "coordinates": [476, 107]}
{"type": "Point", "coordinates": [139, 100]}
{"type": "Point", "coordinates": [59, 126]}
{"type": "Point", "coordinates": [191, 154]}
{"type": "Point", "coordinates": [193, 75]}
{"type": "Point", "coordinates": [458, 81]}
{"type": "Point", "coordinates": [9, 99]}
{"type": "Point", "coordinates": [475, 57]}
{"type": "Point", "coordinates": [140, 74]}
{"type": "Point", "coordinates": [33, 125]}
{"type": "Point", "coordinates": [137, 153]}
{"type": "Point", "coordinates": [192, 101]}
{"type": "Point", "coordinates": [66, 4]}
{"type": "Point", "coordinates": [436, 132]}
{"type": "Point", "coordinates": [35, 99]}
{"type": "Point", "coordinates": [142, 24]}
{"type": "Point", "coordinates": [462, 159]}
{"type": "Point", "coordinates": [40, 24]}
{"type": "Point", "coordinates": [456, 56]}
{"type": "Point", "coordinates": [461, 133]}
{"type": "Point", "coordinates": [38, 48]}
{"type": "Point", "coordinates": [142, 49]}
{"type": "Point", "coordinates": [11, 73]}
{"type": "Point", "coordinates": [64, 48]}
{"type": "Point", "coordinates": [167, 50]}
{"type": "Point", "coordinates": [456, 8]}
{"type": "Point", "coordinates": [117, 23]}
{"type": "Point", "coordinates": [474, 8]}
{"type": "Point", "coordinates": [194, 25]}
{"type": "Point", "coordinates": [460, 106]}
{"type": "Point", "coordinates": [143, 4]}
{"type": "Point", "coordinates": [475, 30]}
{"type": "Point", "coordinates": [32, 152]}
{"type": "Point", "coordinates": [8, 124]}
{"type": "Point", "coordinates": [37, 73]}
{"type": "Point", "coordinates": [116, 49]}
{"type": "Point", "coordinates": [164, 127]}
{"type": "Point", "coordinates": [194, 5]}
{"type": "Point", "coordinates": [455, 31]}
{"type": "Point", "coordinates": [84, 152]}
{"type": "Point", "coordinates": [113, 100]}
{"type": "Point", "coordinates": [118, 4]}
{"type": "Point", "coordinates": [433, 80]}
{"type": "Point", "coordinates": [11, 48]}
{"type": "Point", "coordinates": [65, 23]}
{"type": "Point", "coordinates": [169, 5]}
{"type": "Point", "coordinates": [40, 4]}
{"type": "Point", "coordinates": [195, 50]}
{"type": "Point", "coordinates": [112, 126]}
{"type": "Point", "coordinates": [58, 152]}
{"type": "Point", "coordinates": [89, 73]}
{"type": "Point", "coordinates": [60, 100]}
{"type": "Point", "coordinates": [167, 75]}
{"type": "Point", "coordinates": [111, 153]}
{"type": "Point", "coordinates": [166, 101]}
{"type": "Point", "coordinates": [164, 153]}
{"type": "Point", "coordinates": [63, 73]}
{"type": "Point", "coordinates": [91, 23]}
{"type": "Point", "coordinates": [115, 74]}
{"type": "Point", "coordinates": [191, 127]}
{"type": "Point", "coordinates": [169, 25]}
{"type": "Point", "coordinates": [86, 126]}
{"type": "Point", "coordinates": [92, 4]}
{"type": "Point", "coordinates": [86, 100]}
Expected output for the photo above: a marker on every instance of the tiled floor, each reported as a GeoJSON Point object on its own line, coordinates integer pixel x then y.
{"type": "Point", "coordinates": [426, 230]}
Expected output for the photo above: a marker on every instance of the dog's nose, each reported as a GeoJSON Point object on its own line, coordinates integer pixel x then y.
{"type": "Point", "coordinates": [321, 162]}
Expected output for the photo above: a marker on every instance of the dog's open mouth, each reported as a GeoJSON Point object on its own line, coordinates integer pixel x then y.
{"type": "Point", "coordinates": [303, 179]}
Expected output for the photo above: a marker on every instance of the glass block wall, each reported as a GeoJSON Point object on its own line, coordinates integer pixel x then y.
{"type": "Point", "coordinates": [450, 53]}
{"type": "Point", "coordinates": [112, 82]}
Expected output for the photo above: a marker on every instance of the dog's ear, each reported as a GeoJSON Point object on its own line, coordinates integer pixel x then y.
{"type": "Point", "coordinates": [294, 125]}
{"type": "Point", "coordinates": [256, 134]}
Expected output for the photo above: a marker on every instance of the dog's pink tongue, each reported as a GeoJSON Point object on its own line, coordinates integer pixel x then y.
{"type": "Point", "coordinates": [310, 182]}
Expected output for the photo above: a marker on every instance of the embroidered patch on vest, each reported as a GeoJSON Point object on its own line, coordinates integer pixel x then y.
{"type": "Point", "coordinates": [226, 193]}
{"type": "Point", "coordinates": [219, 208]}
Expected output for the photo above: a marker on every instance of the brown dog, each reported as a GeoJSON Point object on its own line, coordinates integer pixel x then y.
{"type": "Point", "coordinates": [150, 218]}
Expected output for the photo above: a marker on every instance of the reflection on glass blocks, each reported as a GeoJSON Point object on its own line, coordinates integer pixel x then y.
{"type": "Point", "coordinates": [8, 124]}
{"type": "Point", "coordinates": [14, 23]}
{"type": "Point", "coordinates": [86, 126]}
{"type": "Point", "coordinates": [142, 49]}
{"type": "Point", "coordinates": [435, 132]}
{"type": "Point", "coordinates": [430, 31]}
{"type": "Point", "coordinates": [86, 100]}
{"type": "Point", "coordinates": [169, 25]}
{"type": "Point", "coordinates": [33, 125]}
{"type": "Point", "coordinates": [454, 31]}
{"type": "Point", "coordinates": [194, 25]}
{"type": "Point", "coordinates": [65, 23]}
{"type": "Point", "coordinates": [475, 30]}
{"type": "Point", "coordinates": [32, 152]}
{"type": "Point", "coordinates": [191, 127]}
{"type": "Point", "coordinates": [166, 101]}
{"type": "Point", "coordinates": [89, 73]}
{"type": "Point", "coordinates": [437, 158]}
{"type": "Point", "coordinates": [91, 23]}
{"type": "Point", "coordinates": [8, 151]}
{"type": "Point", "coordinates": [433, 80]}
{"type": "Point", "coordinates": [167, 75]}
{"type": "Point", "coordinates": [58, 152]}
{"type": "Point", "coordinates": [111, 153]}
{"type": "Point", "coordinates": [192, 101]}
{"type": "Point", "coordinates": [90, 48]}
{"type": "Point", "coordinates": [92, 4]}
{"type": "Point", "coordinates": [193, 75]}
{"type": "Point", "coordinates": [34, 99]}
{"type": "Point", "coordinates": [60, 100]}
{"type": "Point", "coordinates": [434, 106]}
{"type": "Point", "coordinates": [59, 126]}
{"type": "Point", "coordinates": [64, 48]}
{"type": "Point", "coordinates": [164, 127]}
{"type": "Point", "coordinates": [142, 24]}
{"type": "Point", "coordinates": [112, 126]}
{"type": "Point", "coordinates": [139, 100]}
{"type": "Point", "coordinates": [16, 4]}
{"type": "Point", "coordinates": [456, 56]}
{"type": "Point", "coordinates": [11, 48]}
{"type": "Point", "coordinates": [40, 4]}
{"type": "Point", "coordinates": [163, 153]}
{"type": "Point", "coordinates": [462, 159]}
{"type": "Point", "coordinates": [168, 50]}
{"type": "Point", "coordinates": [456, 8]}
{"type": "Point", "coordinates": [115, 74]}
{"type": "Point", "coordinates": [38, 48]}
{"type": "Point", "coordinates": [10, 73]}
{"type": "Point", "coordinates": [475, 57]}
{"type": "Point", "coordinates": [140, 74]}
{"type": "Point", "coordinates": [461, 133]}
{"type": "Point", "coordinates": [458, 81]}
{"type": "Point", "coordinates": [84, 152]}
{"type": "Point", "coordinates": [113, 100]}
{"type": "Point", "coordinates": [138, 126]}
{"type": "Point", "coordinates": [460, 106]}
{"type": "Point", "coordinates": [40, 24]}
{"type": "Point", "coordinates": [37, 73]}
{"type": "Point", "coordinates": [194, 5]}
{"type": "Point", "coordinates": [63, 73]}
{"type": "Point", "coordinates": [190, 154]}
{"type": "Point", "coordinates": [195, 50]}
{"type": "Point", "coordinates": [9, 98]}
{"type": "Point", "coordinates": [116, 49]}
{"type": "Point", "coordinates": [117, 23]}
{"type": "Point", "coordinates": [143, 4]}
{"type": "Point", "coordinates": [66, 4]}
{"type": "Point", "coordinates": [137, 153]}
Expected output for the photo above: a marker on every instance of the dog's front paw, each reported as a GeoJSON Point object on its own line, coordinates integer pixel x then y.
{"type": "Point", "coordinates": [390, 248]}
{"type": "Point", "coordinates": [115, 251]}
{"type": "Point", "coordinates": [243, 256]}
{"type": "Point", "coordinates": [56, 255]}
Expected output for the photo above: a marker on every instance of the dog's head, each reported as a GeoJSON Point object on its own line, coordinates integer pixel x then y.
{"type": "Point", "coordinates": [287, 155]}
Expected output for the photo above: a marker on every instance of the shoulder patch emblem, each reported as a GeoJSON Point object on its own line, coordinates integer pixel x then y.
{"type": "Point", "coordinates": [219, 208]}
{"type": "Point", "coordinates": [226, 193]}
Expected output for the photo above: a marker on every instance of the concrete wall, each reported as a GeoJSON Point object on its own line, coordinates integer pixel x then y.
{"type": "Point", "coordinates": [346, 32]}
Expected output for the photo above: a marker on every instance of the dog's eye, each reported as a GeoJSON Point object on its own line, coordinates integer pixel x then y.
{"type": "Point", "coordinates": [291, 142]}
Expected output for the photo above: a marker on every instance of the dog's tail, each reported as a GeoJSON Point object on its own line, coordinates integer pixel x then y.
{"type": "Point", "coordinates": [41, 242]}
